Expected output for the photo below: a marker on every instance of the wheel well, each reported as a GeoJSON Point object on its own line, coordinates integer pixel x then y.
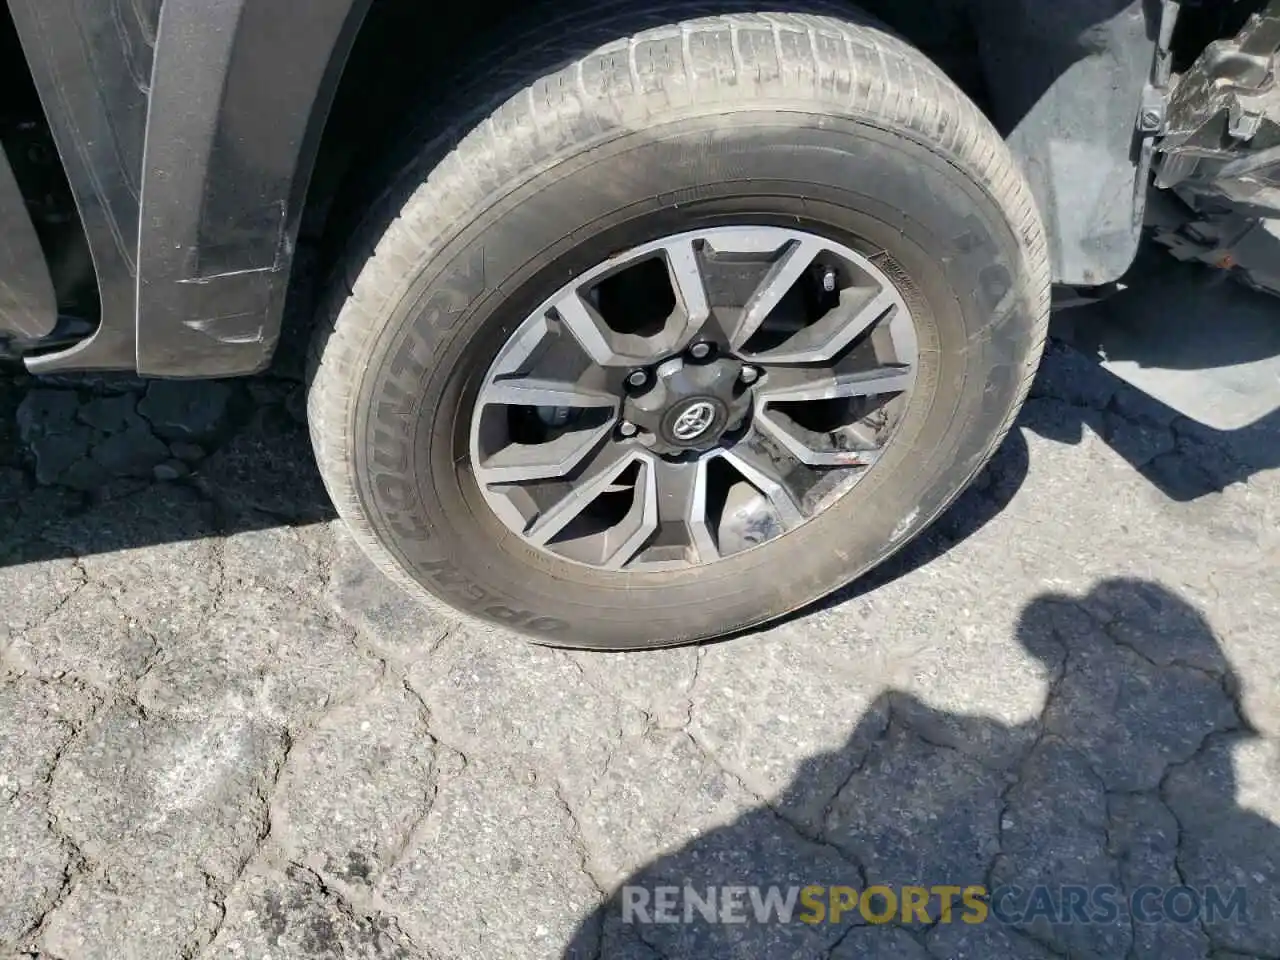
{"type": "Point", "coordinates": [402, 57]}
{"type": "Point", "coordinates": [406, 52]}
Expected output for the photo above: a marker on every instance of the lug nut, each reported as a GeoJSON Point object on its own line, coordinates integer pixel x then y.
{"type": "Point", "coordinates": [829, 280]}
{"type": "Point", "coordinates": [700, 351]}
{"type": "Point", "coordinates": [637, 378]}
{"type": "Point", "coordinates": [627, 429]}
{"type": "Point", "coordinates": [749, 375]}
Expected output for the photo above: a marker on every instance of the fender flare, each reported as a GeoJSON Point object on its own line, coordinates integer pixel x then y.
{"type": "Point", "coordinates": [241, 90]}
{"type": "Point", "coordinates": [190, 165]}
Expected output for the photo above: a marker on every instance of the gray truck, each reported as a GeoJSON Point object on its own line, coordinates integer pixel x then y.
{"type": "Point", "coordinates": [640, 322]}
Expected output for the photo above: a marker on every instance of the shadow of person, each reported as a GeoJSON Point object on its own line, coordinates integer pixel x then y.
{"type": "Point", "coordinates": [1108, 826]}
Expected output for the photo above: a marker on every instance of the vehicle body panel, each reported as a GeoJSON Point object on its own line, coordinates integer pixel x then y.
{"type": "Point", "coordinates": [241, 90]}
{"type": "Point", "coordinates": [188, 132]}
{"type": "Point", "coordinates": [91, 63]}
{"type": "Point", "coordinates": [1066, 83]}
{"type": "Point", "coordinates": [1063, 81]}
{"type": "Point", "coordinates": [28, 305]}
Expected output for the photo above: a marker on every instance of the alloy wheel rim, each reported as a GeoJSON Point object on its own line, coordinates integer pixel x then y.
{"type": "Point", "coordinates": [693, 398]}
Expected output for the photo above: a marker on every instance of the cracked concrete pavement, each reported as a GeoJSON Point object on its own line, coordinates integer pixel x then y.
{"type": "Point", "coordinates": [224, 735]}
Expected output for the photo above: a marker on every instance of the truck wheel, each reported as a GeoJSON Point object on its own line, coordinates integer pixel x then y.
{"type": "Point", "coordinates": [686, 331]}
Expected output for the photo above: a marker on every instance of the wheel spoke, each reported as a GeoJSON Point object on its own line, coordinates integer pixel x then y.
{"type": "Point", "coordinates": [516, 354]}
{"type": "Point", "coordinates": [587, 326]}
{"type": "Point", "coordinates": [799, 255]}
{"type": "Point", "coordinates": [762, 472]}
{"type": "Point", "coordinates": [798, 386]}
{"type": "Point", "coordinates": [620, 544]}
{"type": "Point", "coordinates": [848, 447]}
{"type": "Point", "coordinates": [534, 392]}
{"type": "Point", "coordinates": [612, 347]}
{"type": "Point", "coordinates": [615, 546]}
{"type": "Point", "coordinates": [522, 462]}
{"type": "Point", "coordinates": [690, 289]}
{"type": "Point", "coordinates": [812, 456]}
{"type": "Point", "coordinates": [682, 504]}
{"type": "Point", "coordinates": [599, 475]}
{"type": "Point", "coordinates": [859, 310]}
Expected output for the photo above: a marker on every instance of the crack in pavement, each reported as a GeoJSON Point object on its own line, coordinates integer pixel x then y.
{"type": "Point", "coordinates": [1144, 436]}
{"type": "Point", "coordinates": [78, 863]}
{"type": "Point", "coordinates": [798, 829]}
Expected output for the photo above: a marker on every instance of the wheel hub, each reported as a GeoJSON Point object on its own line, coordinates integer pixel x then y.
{"type": "Point", "coordinates": [692, 420]}
{"type": "Point", "coordinates": [687, 405]}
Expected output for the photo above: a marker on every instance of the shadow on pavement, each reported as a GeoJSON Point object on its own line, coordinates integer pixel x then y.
{"type": "Point", "coordinates": [1207, 344]}
{"type": "Point", "coordinates": [96, 464]}
{"type": "Point", "coordinates": [1122, 790]}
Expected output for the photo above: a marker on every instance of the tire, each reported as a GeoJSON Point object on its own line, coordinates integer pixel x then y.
{"type": "Point", "coordinates": [648, 126]}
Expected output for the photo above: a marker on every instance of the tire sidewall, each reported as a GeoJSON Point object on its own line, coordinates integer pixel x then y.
{"type": "Point", "coordinates": [925, 222]}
